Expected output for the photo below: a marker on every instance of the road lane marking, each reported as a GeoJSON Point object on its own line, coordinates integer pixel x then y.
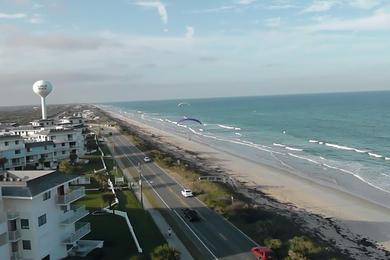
{"type": "Point", "coordinates": [223, 237]}
{"type": "Point", "coordinates": [192, 231]}
{"type": "Point", "coordinates": [231, 224]}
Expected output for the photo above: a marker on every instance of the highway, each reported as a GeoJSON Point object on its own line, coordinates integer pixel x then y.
{"type": "Point", "coordinates": [213, 236]}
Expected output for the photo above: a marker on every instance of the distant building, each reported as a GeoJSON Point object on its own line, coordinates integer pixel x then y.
{"type": "Point", "coordinates": [42, 144]}
{"type": "Point", "coordinates": [38, 219]}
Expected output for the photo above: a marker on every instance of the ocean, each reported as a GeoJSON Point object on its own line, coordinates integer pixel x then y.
{"type": "Point", "coordinates": [337, 140]}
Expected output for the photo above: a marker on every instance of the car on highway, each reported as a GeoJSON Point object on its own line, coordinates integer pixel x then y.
{"type": "Point", "coordinates": [147, 159]}
{"type": "Point", "coordinates": [187, 193]}
{"type": "Point", "coordinates": [263, 253]}
{"type": "Point", "coordinates": [190, 214]}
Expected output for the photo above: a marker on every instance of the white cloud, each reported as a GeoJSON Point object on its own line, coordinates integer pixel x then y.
{"type": "Point", "coordinates": [160, 7]}
{"type": "Point", "coordinates": [365, 4]}
{"type": "Point", "coordinates": [36, 19]}
{"type": "Point", "coordinates": [379, 20]}
{"type": "Point", "coordinates": [246, 2]}
{"type": "Point", "coordinates": [12, 16]}
{"type": "Point", "coordinates": [320, 6]}
{"type": "Point", "coordinates": [273, 22]}
{"type": "Point", "coordinates": [190, 32]}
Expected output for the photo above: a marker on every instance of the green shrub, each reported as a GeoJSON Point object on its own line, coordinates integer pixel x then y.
{"type": "Point", "coordinates": [165, 252]}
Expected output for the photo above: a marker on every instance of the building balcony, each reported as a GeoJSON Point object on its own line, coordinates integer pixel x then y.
{"type": "Point", "coordinates": [82, 229]}
{"type": "Point", "coordinates": [75, 214]}
{"type": "Point", "coordinates": [15, 256]}
{"type": "Point", "coordinates": [73, 195]}
{"type": "Point", "coordinates": [14, 235]}
{"type": "Point", "coordinates": [12, 215]}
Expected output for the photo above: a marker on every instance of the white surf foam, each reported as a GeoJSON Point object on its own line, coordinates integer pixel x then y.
{"type": "Point", "coordinates": [313, 141]}
{"type": "Point", "coordinates": [375, 155]}
{"type": "Point", "coordinates": [303, 158]}
{"type": "Point", "coordinates": [226, 127]}
{"type": "Point", "coordinates": [279, 145]}
{"type": "Point", "coordinates": [293, 149]}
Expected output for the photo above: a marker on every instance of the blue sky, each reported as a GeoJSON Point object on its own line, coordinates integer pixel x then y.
{"type": "Point", "coordinates": [96, 50]}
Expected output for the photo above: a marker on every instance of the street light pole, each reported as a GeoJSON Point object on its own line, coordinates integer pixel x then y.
{"type": "Point", "coordinates": [140, 185]}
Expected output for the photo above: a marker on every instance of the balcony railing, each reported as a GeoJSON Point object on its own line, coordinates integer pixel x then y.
{"type": "Point", "coordinates": [72, 195]}
{"type": "Point", "coordinates": [12, 215]}
{"type": "Point", "coordinates": [2, 215]}
{"type": "Point", "coordinates": [82, 229]}
{"type": "Point", "coordinates": [75, 214]}
{"type": "Point", "coordinates": [14, 236]}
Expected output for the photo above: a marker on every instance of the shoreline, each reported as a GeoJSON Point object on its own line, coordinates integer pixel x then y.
{"type": "Point", "coordinates": [355, 216]}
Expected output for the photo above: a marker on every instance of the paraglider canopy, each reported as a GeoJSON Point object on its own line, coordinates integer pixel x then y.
{"type": "Point", "coordinates": [190, 119]}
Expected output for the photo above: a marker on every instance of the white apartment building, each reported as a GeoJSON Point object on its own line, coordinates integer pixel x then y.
{"type": "Point", "coordinates": [39, 219]}
{"type": "Point", "coordinates": [12, 147]}
{"type": "Point", "coordinates": [20, 155]}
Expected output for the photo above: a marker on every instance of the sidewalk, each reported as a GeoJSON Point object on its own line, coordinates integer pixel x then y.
{"type": "Point", "coordinates": [173, 241]}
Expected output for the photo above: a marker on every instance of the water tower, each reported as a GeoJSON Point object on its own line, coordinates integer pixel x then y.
{"type": "Point", "coordinates": [43, 88]}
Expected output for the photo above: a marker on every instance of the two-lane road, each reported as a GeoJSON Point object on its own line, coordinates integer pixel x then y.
{"type": "Point", "coordinates": [214, 237]}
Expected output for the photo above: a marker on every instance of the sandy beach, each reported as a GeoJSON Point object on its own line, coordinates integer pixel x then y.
{"type": "Point", "coordinates": [334, 215]}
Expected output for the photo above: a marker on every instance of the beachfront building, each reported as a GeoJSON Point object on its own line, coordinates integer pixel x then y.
{"type": "Point", "coordinates": [12, 152]}
{"type": "Point", "coordinates": [40, 155]}
{"type": "Point", "coordinates": [66, 141]}
{"type": "Point", "coordinates": [39, 217]}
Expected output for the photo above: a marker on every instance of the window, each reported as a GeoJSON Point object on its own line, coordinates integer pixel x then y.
{"type": "Point", "coordinates": [53, 137]}
{"type": "Point", "coordinates": [46, 195]}
{"type": "Point", "coordinates": [6, 143]}
{"type": "Point", "coordinates": [24, 223]}
{"type": "Point", "coordinates": [63, 152]}
{"type": "Point", "coordinates": [28, 150]}
{"type": "Point", "coordinates": [17, 151]}
{"type": "Point", "coordinates": [26, 244]}
{"type": "Point", "coordinates": [16, 142]}
{"type": "Point", "coordinates": [45, 147]}
{"type": "Point", "coordinates": [42, 220]}
{"type": "Point", "coordinates": [63, 144]}
{"type": "Point", "coordinates": [55, 153]}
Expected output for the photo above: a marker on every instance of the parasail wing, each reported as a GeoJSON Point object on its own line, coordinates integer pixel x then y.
{"type": "Point", "coordinates": [190, 119]}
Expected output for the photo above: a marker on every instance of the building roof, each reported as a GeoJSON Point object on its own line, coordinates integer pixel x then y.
{"type": "Point", "coordinates": [10, 137]}
{"type": "Point", "coordinates": [36, 182]}
{"type": "Point", "coordinates": [39, 144]}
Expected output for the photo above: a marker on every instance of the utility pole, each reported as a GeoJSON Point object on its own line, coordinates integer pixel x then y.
{"type": "Point", "coordinates": [140, 184]}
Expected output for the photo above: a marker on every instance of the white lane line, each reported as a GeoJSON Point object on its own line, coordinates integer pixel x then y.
{"type": "Point", "coordinates": [192, 231]}
{"type": "Point", "coordinates": [231, 224]}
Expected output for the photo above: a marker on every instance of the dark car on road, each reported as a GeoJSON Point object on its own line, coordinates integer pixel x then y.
{"type": "Point", "coordinates": [191, 215]}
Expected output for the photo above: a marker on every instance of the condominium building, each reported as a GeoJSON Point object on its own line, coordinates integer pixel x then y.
{"type": "Point", "coordinates": [40, 219]}
{"type": "Point", "coordinates": [12, 147]}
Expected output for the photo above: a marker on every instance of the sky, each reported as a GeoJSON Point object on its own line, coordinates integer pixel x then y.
{"type": "Point", "coordinates": [102, 51]}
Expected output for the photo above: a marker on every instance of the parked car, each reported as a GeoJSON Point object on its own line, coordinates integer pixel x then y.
{"type": "Point", "coordinates": [190, 214]}
{"type": "Point", "coordinates": [147, 159]}
{"type": "Point", "coordinates": [187, 193]}
{"type": "Point", "coordinates": [263, 253]}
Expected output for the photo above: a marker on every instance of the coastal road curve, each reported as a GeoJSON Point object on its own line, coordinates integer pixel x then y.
{"type": "Point", "coordinates": [213, 236]}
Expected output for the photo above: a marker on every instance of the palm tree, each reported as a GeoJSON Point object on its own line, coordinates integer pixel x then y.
{"type": "Point", "coordinates": [165, 252]}
{"type": "Point", "coordinates": [73, 157]}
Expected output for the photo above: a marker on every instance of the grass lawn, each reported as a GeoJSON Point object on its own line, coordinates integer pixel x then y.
{"type": "Point", "coordinates": [146, 230]}
{"type": "Point", "coordinates": [93, 200]}
{"type": "Point", "coordinates": [104, 148]}
{"type": "Point", "coordinates": [118, 243]}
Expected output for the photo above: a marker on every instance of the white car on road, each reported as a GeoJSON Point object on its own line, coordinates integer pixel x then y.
{"type": "Point", "coordinates": [187, 193]}
{"type": "Point", "coordinates": [147, 159]}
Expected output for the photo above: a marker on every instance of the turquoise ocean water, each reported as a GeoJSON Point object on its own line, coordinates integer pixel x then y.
{"type": "Point", "coordinates": [340, 140]}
